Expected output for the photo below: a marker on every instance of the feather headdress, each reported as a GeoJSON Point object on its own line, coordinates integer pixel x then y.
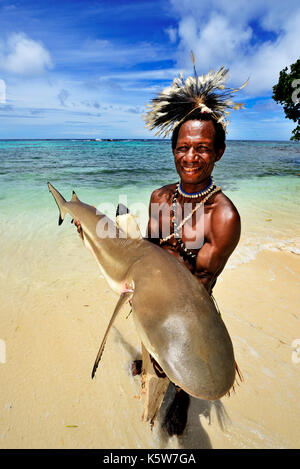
{"type": "Point", "coordinates": [207, 93]}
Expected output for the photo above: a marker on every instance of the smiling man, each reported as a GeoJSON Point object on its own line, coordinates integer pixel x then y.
{"type": "Point", "coordinates": [197, 145]}
{"type": "Point", "coordinates": [193, 219]}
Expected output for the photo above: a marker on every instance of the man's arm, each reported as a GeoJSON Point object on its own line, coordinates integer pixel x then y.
{"type": "Point", "coordinates": [223, 238]}
{"type": "Point", "coordinates": [152, 233]}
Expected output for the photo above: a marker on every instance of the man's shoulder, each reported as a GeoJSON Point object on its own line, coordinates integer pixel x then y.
{"type": "Point", "coordinates": [224, 216]}
{"type": "Point", "coordinates": [222, 203]}
{"type": "Point", "coordinates": [225, 212]}
{"type": "Point", "coordinates": [163, 194]}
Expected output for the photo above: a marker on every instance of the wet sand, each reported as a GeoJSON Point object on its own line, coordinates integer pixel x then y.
{"type": "Point", "coordinates": [54, 310]}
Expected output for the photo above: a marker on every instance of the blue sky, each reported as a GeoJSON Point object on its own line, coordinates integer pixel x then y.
{"type": "Point", "coordinates": [86, 69]}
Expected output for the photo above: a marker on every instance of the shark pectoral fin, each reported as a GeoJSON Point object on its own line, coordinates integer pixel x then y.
{"type": "Point", "coordinates": [125, 296]}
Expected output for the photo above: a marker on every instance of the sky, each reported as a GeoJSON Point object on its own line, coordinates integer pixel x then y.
{"type": "Point", "coordinates": [87, 69]}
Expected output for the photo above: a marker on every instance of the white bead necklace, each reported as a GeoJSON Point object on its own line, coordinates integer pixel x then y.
{"type": "Point", "coordinates": [193, 195]}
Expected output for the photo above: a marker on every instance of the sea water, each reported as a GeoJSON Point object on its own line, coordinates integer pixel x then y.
{"type": "Point", "coordinates": [261, 178]}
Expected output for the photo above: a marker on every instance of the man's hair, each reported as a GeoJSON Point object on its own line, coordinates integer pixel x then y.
{"type": "Point", "coordinates": [220, 135]}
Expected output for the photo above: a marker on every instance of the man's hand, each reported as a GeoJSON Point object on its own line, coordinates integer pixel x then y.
{"type": "Point", "coordinates": [78, 226]}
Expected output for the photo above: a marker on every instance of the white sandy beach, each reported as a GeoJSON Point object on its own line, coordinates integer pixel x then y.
{"type": "Point", "coordinates": [54, 310]}
{"type": "Point", "coordinates": [119, 103]}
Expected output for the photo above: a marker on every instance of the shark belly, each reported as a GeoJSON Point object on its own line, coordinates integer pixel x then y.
{"type": "Point", "coordinates": [113, 284]}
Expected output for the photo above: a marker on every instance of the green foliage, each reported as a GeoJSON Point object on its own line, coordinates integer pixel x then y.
{"type": "Point", "coordinates": [287, 93]}
{"type": "Point", "coordinates": [296, 133]}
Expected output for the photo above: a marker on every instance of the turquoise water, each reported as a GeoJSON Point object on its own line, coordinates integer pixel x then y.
{"type": "Point", "coordinates": [262, 178]}
{"type": "Point", "coordinates": [132, 165]}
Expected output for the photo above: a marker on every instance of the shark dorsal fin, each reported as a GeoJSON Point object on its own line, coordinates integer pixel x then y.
{"type": "Point", "coordinates": [127, 223]}
{"type": "Point", "coordinates": [74, 196]}
{"type": "Point", "coordinates": [121, 210]}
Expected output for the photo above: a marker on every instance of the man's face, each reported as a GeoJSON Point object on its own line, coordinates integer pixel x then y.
{"type": "Point", "coordinates": [195, 153]}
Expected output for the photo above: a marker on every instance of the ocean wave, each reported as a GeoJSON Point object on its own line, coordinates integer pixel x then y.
{"type": "Point", "coordinates": [250, 248]}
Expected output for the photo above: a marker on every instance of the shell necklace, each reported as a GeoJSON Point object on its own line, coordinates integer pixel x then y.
{"type": "Point", "coordinates": [193, 195]}
{"type": "Point", "coordinates": [176, 228]}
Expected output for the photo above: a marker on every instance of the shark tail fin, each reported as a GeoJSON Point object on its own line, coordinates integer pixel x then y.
{"type": "Point", "coordinates": [60, 201]}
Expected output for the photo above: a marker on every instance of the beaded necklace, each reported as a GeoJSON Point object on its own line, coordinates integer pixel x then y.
{"type": "Point", "coordinates": [187, 253]}
{"type": "Point", "coordinates": [193, 195]}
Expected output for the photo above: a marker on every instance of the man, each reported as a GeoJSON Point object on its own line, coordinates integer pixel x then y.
{"type": "Point", "coordinates": [197, 144]}
{"type": "Point", "coordinates": [195, 110]}
{"type": "Point", "coordinates": [196, 150]}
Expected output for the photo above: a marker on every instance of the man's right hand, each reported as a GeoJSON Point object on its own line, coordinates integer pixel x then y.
{"type": "Point", "coordinates": [78, 226]}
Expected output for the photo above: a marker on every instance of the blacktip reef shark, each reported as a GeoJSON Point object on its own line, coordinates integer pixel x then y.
{"type": "Point", "coordinates": [175, 318]}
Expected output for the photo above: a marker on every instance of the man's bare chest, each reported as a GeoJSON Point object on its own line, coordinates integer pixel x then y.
{"type": "Point", "coordinates": [189, 223]}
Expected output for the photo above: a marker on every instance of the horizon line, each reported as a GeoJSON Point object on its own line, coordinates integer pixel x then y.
{"type": "Point", "coordinates": [135, 139]}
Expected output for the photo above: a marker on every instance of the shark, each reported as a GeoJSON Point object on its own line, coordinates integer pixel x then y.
{"type": "Point", "coordinates": [175, 318]}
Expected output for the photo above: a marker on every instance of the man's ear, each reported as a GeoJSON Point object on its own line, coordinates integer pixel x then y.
{"type": "Point", "coordinates": [219, 153]}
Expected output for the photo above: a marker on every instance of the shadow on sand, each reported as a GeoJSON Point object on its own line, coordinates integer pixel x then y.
{"type": "Point", "coordinates": [194, 435]}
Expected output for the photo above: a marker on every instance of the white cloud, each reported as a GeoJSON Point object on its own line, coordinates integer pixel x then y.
{"type": "Point", "coordinates": [105, 52]}
{"type": "Point", "coordinates": [24, 56]}
{"type": "Point", "coordinates": [213, 38]}
{"type": "Point", "coordinates": [172, 33]}
{"type": "Point", "coordinates": [255, 39]}
{"type": "Point", "coordinates": [63, 96]}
